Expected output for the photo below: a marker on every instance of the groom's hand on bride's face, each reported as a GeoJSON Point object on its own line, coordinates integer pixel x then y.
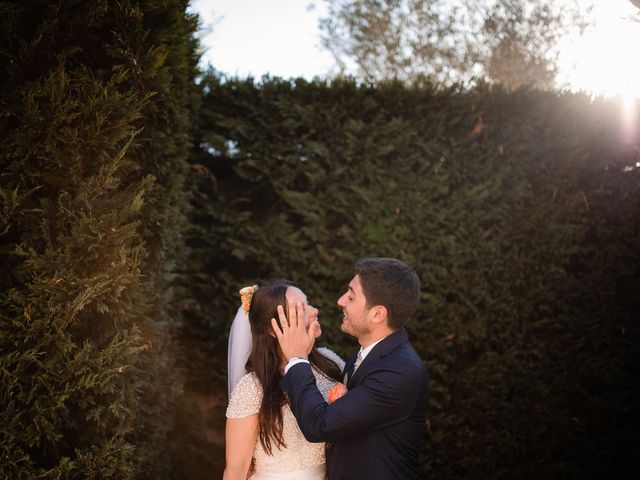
{"type": "Point", "coordinates": [295, 339]}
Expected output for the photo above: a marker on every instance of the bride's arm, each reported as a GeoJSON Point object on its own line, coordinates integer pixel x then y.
{"type": "Point", "coordinates": [241, 436]}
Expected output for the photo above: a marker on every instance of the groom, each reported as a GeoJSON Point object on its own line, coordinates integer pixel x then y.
{"type": "Point", "coordinates": [376, 429]}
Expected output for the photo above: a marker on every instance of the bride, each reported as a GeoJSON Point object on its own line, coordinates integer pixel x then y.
{"type": "Point", "coordinates": [262, 436]}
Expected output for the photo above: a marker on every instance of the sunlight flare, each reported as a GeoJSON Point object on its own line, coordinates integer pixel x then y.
{"type": "Point", "coordinates": [603, 61]}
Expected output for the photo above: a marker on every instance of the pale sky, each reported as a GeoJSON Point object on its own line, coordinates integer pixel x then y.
{"type": "Point", "coordinates": [282, 37]}
{"type": "Point", "coordinates": [254, 37]}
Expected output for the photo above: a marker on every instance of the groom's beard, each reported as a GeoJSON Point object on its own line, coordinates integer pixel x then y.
{"type": "Point", "coordinates": [354, 328]}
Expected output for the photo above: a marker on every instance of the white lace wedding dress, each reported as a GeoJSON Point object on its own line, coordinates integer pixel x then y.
{"type": "Point", "coordinates": [300, 460]}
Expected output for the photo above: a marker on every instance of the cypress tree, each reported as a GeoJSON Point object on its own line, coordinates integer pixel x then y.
{"type": "Point", "coordinates": [96, 100]}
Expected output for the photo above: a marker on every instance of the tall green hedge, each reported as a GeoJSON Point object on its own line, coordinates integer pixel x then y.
{"type": "Point", "coordinates": [96, 100]}
{"type": "Point", "coordinates": [520, 212]}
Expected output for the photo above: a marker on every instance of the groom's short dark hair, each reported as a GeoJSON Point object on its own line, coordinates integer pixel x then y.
{"type": "Point", "coordinates": [392, 284]}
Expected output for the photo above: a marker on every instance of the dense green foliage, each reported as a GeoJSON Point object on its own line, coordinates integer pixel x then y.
{"type": "Point", "coordinates": [520, 213]}
{"type": "Point", "coordinates": [97, 99]}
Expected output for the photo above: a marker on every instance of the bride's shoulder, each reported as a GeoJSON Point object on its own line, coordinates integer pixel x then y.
{"type": "Point", "coordinates": [246, 397]}
{"type": "Point", "coordinates": [331, 355]}
{"type": "Point", "coordinates": [248, 383]}
{"type": "Point", "coordinates": [250, 379]}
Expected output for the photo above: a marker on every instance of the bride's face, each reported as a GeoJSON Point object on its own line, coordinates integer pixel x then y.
{"type": "Point", "coordinates": [295, 296]}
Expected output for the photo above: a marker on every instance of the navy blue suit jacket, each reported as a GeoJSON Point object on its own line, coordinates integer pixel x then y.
{"type": "Point", "coordinates": [375, 431]}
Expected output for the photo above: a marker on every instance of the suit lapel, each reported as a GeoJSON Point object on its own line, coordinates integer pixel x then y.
{"type": "Point", "coordinates": [382, 349]}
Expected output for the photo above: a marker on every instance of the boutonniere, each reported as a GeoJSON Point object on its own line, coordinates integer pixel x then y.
{"type": "Point", "coordinates": [339, 390]}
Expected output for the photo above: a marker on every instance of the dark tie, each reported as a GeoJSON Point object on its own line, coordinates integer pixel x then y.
{"type": "Point", "coordinates": [351, 371]}
{"type": "Point", "coordinates": [358, 361]}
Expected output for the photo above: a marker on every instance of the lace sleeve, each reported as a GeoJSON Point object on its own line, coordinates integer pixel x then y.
{"type": "Point", "coordinates": [331, 355]}
{"type": "Point", "coordinates": [246, 397]}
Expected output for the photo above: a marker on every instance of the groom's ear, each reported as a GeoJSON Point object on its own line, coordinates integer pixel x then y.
{"type": "Point", "coordinates": [378, 314]}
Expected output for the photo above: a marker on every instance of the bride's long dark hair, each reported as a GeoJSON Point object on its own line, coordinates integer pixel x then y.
{"type": "Point", "coordinates": [264, 360]}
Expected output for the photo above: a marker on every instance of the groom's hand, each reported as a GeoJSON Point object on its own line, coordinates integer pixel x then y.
{"type": "Point", "coordinates": [294, 338]}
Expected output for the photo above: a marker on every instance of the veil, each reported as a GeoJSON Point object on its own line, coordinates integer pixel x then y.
{"type": "Point", "coordinates": [239, 348]}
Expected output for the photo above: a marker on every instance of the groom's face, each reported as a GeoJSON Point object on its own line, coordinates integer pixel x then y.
{"type": "Point", "coordinates": [354, 308]}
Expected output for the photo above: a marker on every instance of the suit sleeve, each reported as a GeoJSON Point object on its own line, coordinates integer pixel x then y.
{"type": "Point", "coordinates": [386, 396]}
